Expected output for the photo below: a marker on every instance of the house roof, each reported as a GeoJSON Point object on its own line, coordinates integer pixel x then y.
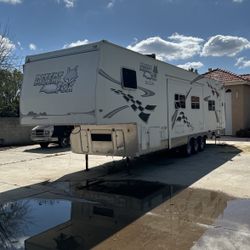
{"type": "Point", "coordinates": [226, 76]}
{"type": "Point", "coordinates": [246, 76]}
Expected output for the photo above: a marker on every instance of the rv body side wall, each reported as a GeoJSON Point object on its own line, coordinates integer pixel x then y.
{"type": "Point", "coordinates": [151, 106]}
{"type": "Point", "coordinates": [144, 106]}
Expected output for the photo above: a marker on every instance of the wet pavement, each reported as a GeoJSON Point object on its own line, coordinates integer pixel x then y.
{"type": "Point", "coordinates": [125, 214]}
{"type": "Point", "coordinates": [47, 201]}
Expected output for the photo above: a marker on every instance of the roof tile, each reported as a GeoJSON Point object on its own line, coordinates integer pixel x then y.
{"type": "Point", "coordinates": [246, 76]}
{"type": "Point", "coordinates": [226, 76]}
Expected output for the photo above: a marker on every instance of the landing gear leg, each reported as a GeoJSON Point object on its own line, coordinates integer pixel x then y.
{"type": "Point", "coordinates": [128, 163]}
{"type": "Point", "coordinates": [87, 162]}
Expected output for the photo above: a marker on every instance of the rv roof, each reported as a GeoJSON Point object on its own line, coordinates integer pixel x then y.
{"type": "Point", "coordinates": [91, 47]}
{"type": "Point", "coordinates": [63, 52]}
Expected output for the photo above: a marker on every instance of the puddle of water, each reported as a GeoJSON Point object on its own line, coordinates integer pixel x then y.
{"type": "Point", "coordinates": [231, 230]}
{"type": "Point", "coordinates": [131, 188]}
{"type": "Point", "coordinates": [129, 214]}
{"type": "Point", "coordinates": [20, 220]}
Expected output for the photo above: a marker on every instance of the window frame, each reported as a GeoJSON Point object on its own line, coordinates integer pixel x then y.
{"type": "Point", "coordinates": [211, 105]}
{"type": "Point", "coordinates": [122, 78]}
{"type": "Point", "coordinates": [181, 100]}
{"type": "Point", "coordinates": [195, 104]}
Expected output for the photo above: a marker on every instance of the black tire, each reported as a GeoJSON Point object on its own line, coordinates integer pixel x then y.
{"type": "Point", "coordinates": [44, 144]}
{"type": "Point", "coordinates": [195, 146]}
{"type": "Point", "coordinates": [64, 142]}
{"type": "Point", "coordinates": [187, 149]}
{"type": "Point", "coordinates": [202, 143]}
{"type": "Point", "coordinates": [205, 141]}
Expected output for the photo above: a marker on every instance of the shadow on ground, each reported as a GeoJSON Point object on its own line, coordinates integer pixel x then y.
{"type": "Point", "coordinates": [52, 149]}
{"type": "Point", "coordinates": [108, 199]}
{"type": "Point", "coordinates": [5, 148]}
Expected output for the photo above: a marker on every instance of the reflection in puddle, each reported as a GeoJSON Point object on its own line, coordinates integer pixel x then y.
{"type": "Point", "coordinates": [21, 219]}
{"type": "Point", "coordinates": [128, 214]}
{"type": "Point", "coordinates": [231, 230]}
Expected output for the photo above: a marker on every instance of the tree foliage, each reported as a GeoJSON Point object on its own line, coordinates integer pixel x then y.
{"type": "Point", "coordinates": [10, 78]}
{"type": "Point", "coordinates": [10, 85]}
{"type": "Point", "coordinates": [13, 221]}
{"type": "Point", "coordinates": [6, 49]}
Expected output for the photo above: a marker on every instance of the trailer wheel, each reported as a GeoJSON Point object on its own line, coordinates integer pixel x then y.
{"type": "Point", "coordinates": [64, 142]}
{"type": "Point", "coordinates": [205, 141]}
{"type": "Point", "coordinates": [201, 142]}
{"type": "Point", "coordinates": [44, 144]}
{"type": "Point", "coordinates": [187, 149]}
{"type": "Point", "coordinates": [195, 146]}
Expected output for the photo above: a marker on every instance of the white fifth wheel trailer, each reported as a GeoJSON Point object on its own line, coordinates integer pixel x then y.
{"type": "Point", "coordinates": [121, 102]}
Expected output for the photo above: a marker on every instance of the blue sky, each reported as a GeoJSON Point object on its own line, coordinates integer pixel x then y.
{"type": "Point", "coordinates": [199, 33]}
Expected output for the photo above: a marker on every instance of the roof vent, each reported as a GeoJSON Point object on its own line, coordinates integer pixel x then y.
{"type": "Point", "coordinates": [151, 55]}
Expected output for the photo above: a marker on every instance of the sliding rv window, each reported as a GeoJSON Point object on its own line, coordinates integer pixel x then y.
{"type": "Point", "coordinates": [195, 102]}
{"type": "Point", "coordinates": [179, 101]}
{"type": "Point", "coordinates": [129, 78]}
{"type": "Point", "coordinates": [211, 105]}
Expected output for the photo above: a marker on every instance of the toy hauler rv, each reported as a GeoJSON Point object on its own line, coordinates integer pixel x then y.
{"type": "Point", "coordinates": [121, 102]}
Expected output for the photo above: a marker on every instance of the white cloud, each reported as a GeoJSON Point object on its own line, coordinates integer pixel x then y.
{"type": "Point", "coordinates": [32, 46]}
{"type": "Point", "coordinates": [242, 63]}
{"type": "Point", "coordinates": [177, 37]}
{"type": "Point", "coordinates": [68, 3]}
{"type": "Point", "coordinates": [19, 45]}
{"type": "Point", "coordinates": [77, 43]}
{"type": "Point", "coordinates": [234, 235]}
{"type": "Point", "coordinates": [220, 45]}
{"type": "Point", "coordinates": [111, 4]}
{"type": "Point", "coordinates": [6, 44]}
{"type": "Point", "coordinates": [11, 1]}
{"type": "Point", "coordinates": [176, 47]}
{"type": "Point", "coordinates": [238, 1]}
{"type": "Point", "coordinates": [188, 65]}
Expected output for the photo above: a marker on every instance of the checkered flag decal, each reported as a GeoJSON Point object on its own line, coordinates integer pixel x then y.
{"type": "Point", "coordinates": [136, 105]}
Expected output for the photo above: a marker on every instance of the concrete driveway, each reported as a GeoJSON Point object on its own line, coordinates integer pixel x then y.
{"type": "Point", "coordinates": [166, 202]}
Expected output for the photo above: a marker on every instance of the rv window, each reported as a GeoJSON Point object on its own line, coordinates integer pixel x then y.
{"type": "Point", "coordinates": [211, 105]}
{"type": "Point", "coordinates": [195, 102]}
{"type": "Point", "coordinates": [101, 137]}
{"type": "Point", "coordinates": [129, 78]}
{"type": "Point", "coordinates": [179, 101]}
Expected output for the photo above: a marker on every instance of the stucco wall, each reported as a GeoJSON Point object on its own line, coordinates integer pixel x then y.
{"type": "Point", "coordinates": [240, 107]}
{"type": "Point", "coordinates": [237, 107]}
{"type": "Point", "coordinates": [246, 92]}
{"type": "Point", "coordinates": [12, 133]}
